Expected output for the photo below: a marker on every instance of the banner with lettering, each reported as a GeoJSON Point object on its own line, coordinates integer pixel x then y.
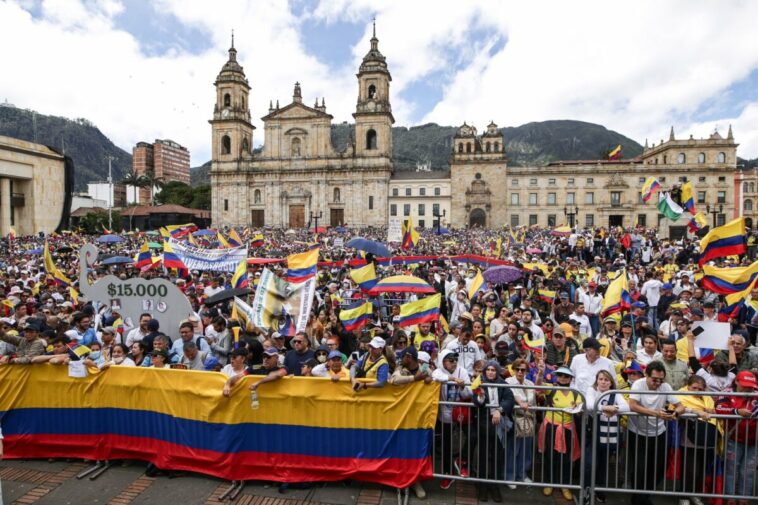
{"type": "Point", "coordinates": [281, 305]}
{"type": "Point", "coordinates": [215, 260]}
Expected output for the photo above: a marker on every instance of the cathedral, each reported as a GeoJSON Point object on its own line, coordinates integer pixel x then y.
{"type": "Point", "coordinates": [298, 178]}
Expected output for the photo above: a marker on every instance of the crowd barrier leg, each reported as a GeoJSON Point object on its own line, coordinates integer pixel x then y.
{"type": "Point", "coordinates": [402, 496]}
{"type": "Point", "coordinates": [233, 491]}
{"type": "Point", "coordinates": [95, 471]}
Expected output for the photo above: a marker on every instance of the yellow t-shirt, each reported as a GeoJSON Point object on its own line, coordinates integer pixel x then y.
{"type": "Point", "coordinates": [419, 339]}
{"type": "Point", "coordinates": [562, 399]}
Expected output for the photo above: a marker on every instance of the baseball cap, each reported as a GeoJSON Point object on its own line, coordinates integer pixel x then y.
{"type": "Point", "coordinates": [639, 305]}
{"type": "Point", "coordinates": [667, 285]}
{"type": "Point", "coordinates": [568, 331]}
{"type": "Point", "coordinates": [697, 312]}
{"type": "Point", "coordinates": [424, 357]}
{"type": "Point", "coordinates": [564, 370]}
{"type": "Point", "coordinates": [501, 346]}
{"type": "Point", "coordinates": [610, 319]}
{"type": "Point", "coordinates": [377, 343]}
{"type": "Point", "coordinates": [309, 363]}
{"type": "Point", "coordinates": [271, 351]}
{"type": "Point", "coordinates": [410, 350]}
{"type": "Point", "coordinates": [746, 379]}
{"type": "Point", "coordinates": [334, 354]}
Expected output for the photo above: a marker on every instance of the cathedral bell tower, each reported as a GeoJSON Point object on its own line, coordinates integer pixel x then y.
{"type": "Point", "coordinates": [373, 113]}
{"type": "Point", "coordinates": [232, 130]}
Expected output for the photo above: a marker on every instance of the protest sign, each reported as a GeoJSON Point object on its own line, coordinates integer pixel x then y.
{"type": "Point", "coordinates": [215, 260]}
{"type": "Point", "coordinates": [714, 336]}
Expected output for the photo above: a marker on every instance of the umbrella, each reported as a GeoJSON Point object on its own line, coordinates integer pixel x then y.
{"type": "Point", "coordinates": [226, 294]}
{"type": "Point", "coordinates": [204, 232]}
{"type": "Point", "coordinates": [154, 245]}
{"type": "Point", "coordinates": [340, 229]}
{"type": "Point", "coordinates": [401, 284]}
{"type": "Point", "coordinates": [502, 274]}
{"type": "Point", "coordinates": [442, 231]}
{"type": "Point", "coordinates": [534, 250]}
{"type": "Point", "coordinates": [152, 232]}
{"type": "Point", "coordinates": [117, 260]}
{"type": "Point", "coordinates": [64, 249]}
{"type": "Point", "coordinates": [34, 251]}
{"type": "Point", "coordinates": [320, 229]}
{"type": "Point", "coordinates": [109, 239]}
{"type": "Point", "coordinates": [364, 244]}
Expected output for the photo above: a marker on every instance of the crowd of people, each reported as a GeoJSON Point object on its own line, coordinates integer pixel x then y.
{"type": "Point", "coordinates": [546, 328]}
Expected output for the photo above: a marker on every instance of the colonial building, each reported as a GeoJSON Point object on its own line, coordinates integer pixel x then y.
{"type": "Point", "coordinates": [746, 187]}
{"type": "Point", "coordinates": [298, 174]}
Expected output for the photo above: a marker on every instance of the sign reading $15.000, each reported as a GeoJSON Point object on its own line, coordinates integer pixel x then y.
{"type": "Point", "coordinates": [136, 289]}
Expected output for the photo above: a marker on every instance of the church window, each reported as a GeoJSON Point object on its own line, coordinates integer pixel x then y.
{"type": "Point", "coordinates": [393, 209]}
{"type": "Point", "coordinates": [226, 144]}
{"type": "Point", "coordinates": [468, 147]}
{"type": "Point", "coordinates": [226, 204]}
{"type": "Point", "coordinates": [227, 100]}
{"type": "Point", "coordinates": [257, 196]}
{"type": "Point", "coordinates": [295, 146]}
{"type": "Point", "coordinates": [701, 158]}
{"type": "Point", "coordinates": [371, 139]}
{"type": "Point", "coordinates": [407, 209]}
{"type": "Point", "coordinates": [487, 147]}
{"type": "Point", "coordinates": [243, 103]}
{"type": "Point", "coordinates": [665, 159]}
{"type": "Point", "coordinates": [336, 194]}
{"type": "Point", "coordinates": [721, 158]}
{"type": "Point", "coordinates": [497, 149]}
{"type": "Point", "coordinates": [421, 209]}
{"type": "Point", "coordinates": [682, 158]}
{"type": "Point", "coordinates": [370, 203]}
{"type": "Point", "coordinates": [460, 147]}
{"type": "Point", "coordinates": [245, 146]}
{"type": "Point", "coordinates": [372, 91]}
{"type": "Point", "coordinates": [407, 191]}
{"type": "Point", "coordinates": [395, 191]}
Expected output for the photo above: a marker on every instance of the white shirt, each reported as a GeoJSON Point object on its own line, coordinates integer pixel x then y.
{"type": "Point", "coordinates": [647, 426]}
{"type": "Point", "coordinates": [210, 291]}
{"type": "Point", "coordinates": [645, 359]}
{"type": "Point", "coordinates": [467, 354]}
{"type": "Point", "coordinates": [652, 291]}
{"type": "Point", "coordinates": [229, 371]}
{"type": "Point", "coordinates": [135, 335]}
{"type": "Point", "coordinates": [584, 323]}
{"type": "Point", "coordinates": [585, 372]}
{"type": "Point", "coordinates": [592, 303]}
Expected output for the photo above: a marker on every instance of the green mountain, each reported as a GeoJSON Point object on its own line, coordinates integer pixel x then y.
{"type": "Point", "coordinates": [79, 138]}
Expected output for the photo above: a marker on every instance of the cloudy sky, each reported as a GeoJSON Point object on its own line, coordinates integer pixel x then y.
{"type": "Point", "coordinates": [143, 69]}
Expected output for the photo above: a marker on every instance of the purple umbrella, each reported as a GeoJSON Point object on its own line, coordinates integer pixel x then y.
{"type": "Point", "coordinates": [502, 274]}
{"type": "Point", "coordinates": [534, 250]}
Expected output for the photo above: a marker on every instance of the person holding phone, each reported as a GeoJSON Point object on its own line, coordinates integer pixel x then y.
{"type": "Point", "coordinates": [647, 430]}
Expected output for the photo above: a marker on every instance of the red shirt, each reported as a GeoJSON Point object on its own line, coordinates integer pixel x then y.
{"type": "Point", "coordinates": [741, 430]}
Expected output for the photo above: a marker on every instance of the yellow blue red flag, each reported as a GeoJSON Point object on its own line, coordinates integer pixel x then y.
{"type": "Point", "coordinates": [356, 317]}
{"type": "Point", "coordinates": [425, 310]}
{"type": "Point", "coordinates": [723, 241]}
{"type": "Point", "coordinates": [239, 279]}
{"type": "Point", "coordinates": [302, 266]}
{"type": "Point", "coordinates": [410, 235]}
{"type": "Point", "coordinates": [364, 276]}
{"type": "Point", "coordinates": [650, 188]}
{"type": "Point", "coordinates": [724, 281]}
{"type": "Point", "coordinates": [617, 298]}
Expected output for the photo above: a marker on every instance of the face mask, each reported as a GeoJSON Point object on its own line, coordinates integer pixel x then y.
{"type": "Point", "coordinates": [95, 355]}
{"type": "Point", "coordinates": [118, 361]}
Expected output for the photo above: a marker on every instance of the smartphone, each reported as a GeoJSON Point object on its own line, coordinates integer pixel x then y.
{"type": "Point", "coordinates": [697, 331]}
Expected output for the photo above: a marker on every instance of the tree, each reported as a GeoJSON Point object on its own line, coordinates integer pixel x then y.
{"type": "Point", "coordinates": [151, 181]}
{"type": "Point", "coordinates": [94, 222]}
{"type": "Point", "coordinates": [133, 179]}
{"type": "Point", "coordinates": [175, 192]}
{"type": "Point", "coordinates": [201, 197]}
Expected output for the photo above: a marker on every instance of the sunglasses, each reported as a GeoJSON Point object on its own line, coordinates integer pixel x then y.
{"type": "Point", "coordinates": [521, 370]}
{"type": "Point", "coordinates": [298, 342]}
{"type": "Point", "coordinates": [563, 375]}
{"type": "Point", "coordinates": [402, 341]}
{"type": "Point", "coordinates": [656, 380]}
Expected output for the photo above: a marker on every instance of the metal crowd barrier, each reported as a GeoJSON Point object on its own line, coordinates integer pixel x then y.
{"type": "Point", "coordinates": [685, 458]}
{"type": "Point", "coordinates": [686, 461]}
{"type": "Point", "coordinates": [467, 448]}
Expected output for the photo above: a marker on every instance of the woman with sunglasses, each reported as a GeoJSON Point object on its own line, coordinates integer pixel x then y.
{"type": "Point", "coordinates": [608, 427]}
{"type": "Point", "coordinates": [558, 439]}
{"type": "Point", "coordinates": [518, 459]}
{"type": "Point", "coordinates": [494, 404]}
{"type": "Point", "coordinates": [499, 325]}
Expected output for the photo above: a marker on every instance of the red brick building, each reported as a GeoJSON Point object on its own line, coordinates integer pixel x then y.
{"type": "Point", "coordinates": [165, 158]}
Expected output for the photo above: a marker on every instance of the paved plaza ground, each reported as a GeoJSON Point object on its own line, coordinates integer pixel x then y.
{"type": "Point", "coordinates": [41, 482]}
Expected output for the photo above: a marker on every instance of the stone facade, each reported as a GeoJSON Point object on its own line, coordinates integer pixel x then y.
{"type": "Point", "coordinates": [32, 187]}
{"type": "Point", "coordinates": [298, 175]}
{"type": "Point", "coordinates": [746, 186]}
{"type": "Point", "coordinates": [421, 195]}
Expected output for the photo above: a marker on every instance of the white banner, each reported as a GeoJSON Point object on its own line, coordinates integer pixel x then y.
{"type": "Point", "coordinates": [215, 260]}
{"type": "Point", "coordinates": [395, 231]}
{"type": "Point", "coordinates": [281, 305]}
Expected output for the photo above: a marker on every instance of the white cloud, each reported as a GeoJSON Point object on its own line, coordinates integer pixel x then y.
{"type": "Point", "coordinates": [635, 67]}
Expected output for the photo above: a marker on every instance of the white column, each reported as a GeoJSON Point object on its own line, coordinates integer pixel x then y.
{"type": "Point", "coordinates": [5, 207]}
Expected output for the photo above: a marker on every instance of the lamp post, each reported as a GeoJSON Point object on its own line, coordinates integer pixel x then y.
{"type": "Point", "coordinates": [571, 214]}
{"type": "Point", "coordinates": [315, 218]}
{"type": "Point", "coordinates": [715, 212]}
{"type": "Point", "coordinates": [110, 198]}
{"type": "Point", "coordinates": [438, 218]}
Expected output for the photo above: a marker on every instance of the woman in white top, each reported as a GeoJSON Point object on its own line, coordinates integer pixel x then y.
{"type": "Point", "coordinates": [499, 325]}
{"type": "Point", "coordinates": [119, 356]}
{"type": "Point", "coordinates": [609, 407]}
{"type": "Point", "coordinates": [236, 364]}
{"type": "Point", "coordinates": [649, 351]}
{"type": "Point", "coordinates": [518, 459]}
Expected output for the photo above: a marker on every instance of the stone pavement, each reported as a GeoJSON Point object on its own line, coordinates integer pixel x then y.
{"type": "Point", "coordinates": [39, 482]}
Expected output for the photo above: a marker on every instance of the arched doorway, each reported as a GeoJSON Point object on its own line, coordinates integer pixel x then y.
{"type": "Point", "coordinates": [748, 223]}
{"type": "Point", "coordinates": [477, 218]}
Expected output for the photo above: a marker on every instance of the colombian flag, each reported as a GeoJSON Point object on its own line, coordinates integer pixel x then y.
{"type": "Point", "coordinates": [477, 283]}
{"type": "Point", "coordinates": [144, 258]}
{"type": "Point", "coordinates": [410, 235]}
{"type": "Point", "coordinates": [224, 243]}
{"type": "Point", "coordinates": [617, 297]}
{"type": "Point", "coordinates": [697, 223]}
{"type": "Point", "coordinates": [239, 279]}
{"type": "Point", "coordinates": [180, 230]}
{"type": "Point", "coordinates": [356, 317]}
{"type": "Point", "coordinates": [546, 295]}
{"type": "Point", "coordinates": [724, 281]}
{"type": "Point", "coordinates": [425, 310]}
{"type": "Point", "coordinates": [302, 266]}
{"type": "Point", "coordinates": [733, 302]}
{"type": "Point", "coordinates": [171, 260]}
{"type": "Point", "coordinates": [364, 276]}
{"type": "Point", "coordinates": [615, 153]}
{"type": "Point", "coordinates": [257, 241]}
{"type": "Point", "coordinates": [688, 202]}
{"type": "Point", "coordinates": [650, 188]}
{"type": "Point", "coordinates": [723, 241]}
{"type": "Point", "coordinates": [52, 270]}
{"type": "Point", "coordinates": [235, 239]}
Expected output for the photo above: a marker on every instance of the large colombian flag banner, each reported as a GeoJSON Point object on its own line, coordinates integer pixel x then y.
{"type": "Point", "coordinates": [306, 429]}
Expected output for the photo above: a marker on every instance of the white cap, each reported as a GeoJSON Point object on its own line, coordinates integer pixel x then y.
{"type": "Point", "coordinates": [377, 343]}
{"type": "Point", "coordinates": [424, 357]}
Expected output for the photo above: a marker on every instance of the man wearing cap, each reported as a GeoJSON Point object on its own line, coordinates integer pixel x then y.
{"type": "Point", "coordinates": [665, 300]}
{"type": "Point", "coordinates": [270, 369]}
{"type": "Point", "coordinates": [563, 308]}
{"type": "Point", "coordinates": [27, 347]}
{"type": "Point", "coordinates": [333, 368]}
{"type": "Point", "coordinates": [409, 369]}
{"type": "Point", "coordinates": [741, 450]}
{"type": "Point", "coordinates": [593, 303]}
{"type": "Point", "coordinates": [558, 352]}
{"type": "Point", "coordinates": [651, 290]}
{"type": "Point", "coordinates": [586, 366]}
{"type": "Point", "coordinates": [373, 365]}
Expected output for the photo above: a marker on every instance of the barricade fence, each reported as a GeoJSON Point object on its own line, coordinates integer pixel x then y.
{"type": "Point", "coordinates": [590, 451]}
